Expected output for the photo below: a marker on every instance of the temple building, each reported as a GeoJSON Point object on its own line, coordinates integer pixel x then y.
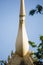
{"type": "Point", "coordinates": [22, 54]}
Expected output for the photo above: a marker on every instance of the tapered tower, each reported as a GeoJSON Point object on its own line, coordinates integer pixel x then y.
{"type": "Point", "coordinates": [22, 45]}
{"type": "Point", "coordinates": [22, 55]}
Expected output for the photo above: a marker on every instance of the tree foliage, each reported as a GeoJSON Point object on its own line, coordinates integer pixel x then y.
{"type": "Point", "coordinates": [38, 9]}
{"type": "Point", "coordinates": [2, 62]}
{"type": "Point", "coordinates": [38, 56]}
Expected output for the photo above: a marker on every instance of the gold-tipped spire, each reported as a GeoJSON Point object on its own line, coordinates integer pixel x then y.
{"type": "Point", "coordinates": [22, 54]}
{"type": "Point", "coordinates": [22, 9]}
{"type": "Point", "coordinates": [22, 46]}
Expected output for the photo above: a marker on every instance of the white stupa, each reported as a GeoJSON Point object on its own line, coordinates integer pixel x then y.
{"type": "Point", "coordinates": [22, 55]}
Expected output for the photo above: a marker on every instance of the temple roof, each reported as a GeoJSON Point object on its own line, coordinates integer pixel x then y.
{"type": "Point", "coordinates": [18, 60]}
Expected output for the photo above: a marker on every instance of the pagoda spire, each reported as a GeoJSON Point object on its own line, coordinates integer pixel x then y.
{"type": "Point", "coordinates": [22, 45]}
{"type": "Point", "coordinates": [22, 9]}
{"type": "Point", "coordinates": [22, 53]}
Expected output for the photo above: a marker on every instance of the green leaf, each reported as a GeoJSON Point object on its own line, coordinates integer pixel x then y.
{"type": "Point", "coordinates": [32, 44]}
{"type": "Point", "coordinates": [41, 38]}
{"type": "Point", "coordinates": [39, 49]}
{"type": "Point", "coordinates": [39, 8]}
{"type": "Point", "coordinates": [42, 56]}
{"type": "Point", "coordinates": [32, 12]}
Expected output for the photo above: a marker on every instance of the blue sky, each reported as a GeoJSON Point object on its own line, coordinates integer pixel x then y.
{"type": "Point", "coordinates": [9, 22]}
